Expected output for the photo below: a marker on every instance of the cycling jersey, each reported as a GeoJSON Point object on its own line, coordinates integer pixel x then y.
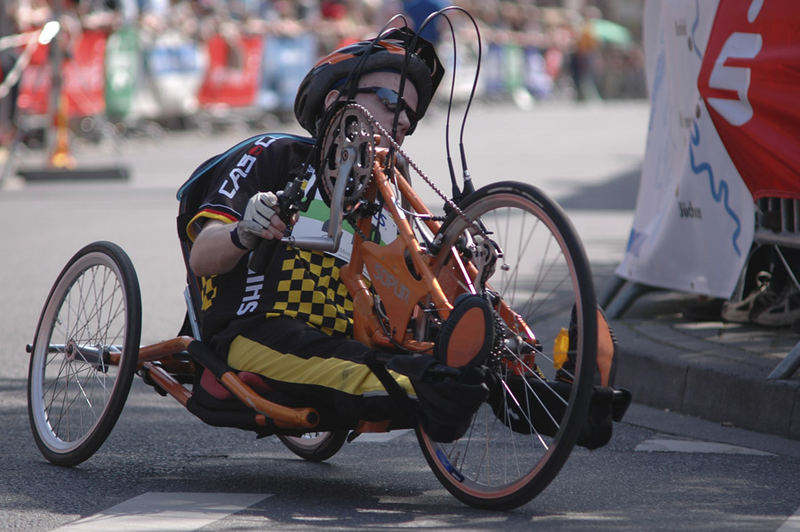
{"type": "Point", "coordinates": [298, 284]}
{"type": "Point", "coordinates": [243, 313]}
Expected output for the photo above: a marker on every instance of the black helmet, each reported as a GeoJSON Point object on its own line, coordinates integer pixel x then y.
{"type": "Point", "coordinates": [387, 52]}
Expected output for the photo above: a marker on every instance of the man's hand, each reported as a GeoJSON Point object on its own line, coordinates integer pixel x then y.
{"type": "Point", "coordinates": [260, 220]}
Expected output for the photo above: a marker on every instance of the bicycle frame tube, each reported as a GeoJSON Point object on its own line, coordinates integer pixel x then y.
{"type": "Point", "coordinates": [399, 272]}
{"type": "Point", "coordinates": [461, 271]}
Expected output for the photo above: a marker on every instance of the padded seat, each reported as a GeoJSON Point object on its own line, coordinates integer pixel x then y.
{"type": "Point", "coordinates": [217, 390]}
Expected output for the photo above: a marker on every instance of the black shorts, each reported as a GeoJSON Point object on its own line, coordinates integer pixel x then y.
{"type": "Point", "coordinates": [310, 368]}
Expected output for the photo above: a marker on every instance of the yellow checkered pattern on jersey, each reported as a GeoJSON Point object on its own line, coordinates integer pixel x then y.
{"type": "Point", "coordinates": [310, 289]}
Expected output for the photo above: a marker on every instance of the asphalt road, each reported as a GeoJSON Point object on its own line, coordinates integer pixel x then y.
{"type": "Point", "coordinates": [661, 471]}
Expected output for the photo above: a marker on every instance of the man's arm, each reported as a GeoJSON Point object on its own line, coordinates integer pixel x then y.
{"type": "Point", "coordinates": [214, 252]}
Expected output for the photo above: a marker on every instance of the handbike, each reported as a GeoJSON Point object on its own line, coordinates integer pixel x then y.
{"type": "Point", "coordinates": [506, 244]}
{"type": "Point", "coordinates": [502, 269]}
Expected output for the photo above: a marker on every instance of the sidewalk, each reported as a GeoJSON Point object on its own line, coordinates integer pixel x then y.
{"type": "Point", "coordinates": [709, 369]}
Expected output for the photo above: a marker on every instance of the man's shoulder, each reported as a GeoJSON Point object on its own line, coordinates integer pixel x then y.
{"type": "Point", "coordinates": [269, 142]}
{"type": "Point", "coordinates": [282, 145]}
{"type": "Point", "coordinates": [281, 139]}
{"type": "Point", "coordinates": [287, 146]}
{"type": "Point", "coordinates": [256, 145]}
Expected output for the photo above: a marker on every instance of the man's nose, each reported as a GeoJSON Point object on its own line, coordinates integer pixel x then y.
{"type": "Point", "coordinates": [403, 123]}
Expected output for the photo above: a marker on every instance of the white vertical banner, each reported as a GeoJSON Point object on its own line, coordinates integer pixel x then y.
{"type": "Point", "coordinates": [694, 218]}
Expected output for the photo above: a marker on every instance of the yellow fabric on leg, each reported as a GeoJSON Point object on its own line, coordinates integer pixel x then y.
{"type": "Point", "coordinates": [342, 375]}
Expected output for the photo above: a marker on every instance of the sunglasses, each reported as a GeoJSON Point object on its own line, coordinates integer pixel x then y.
{"type": "Point", "coordinates": [392, 101]}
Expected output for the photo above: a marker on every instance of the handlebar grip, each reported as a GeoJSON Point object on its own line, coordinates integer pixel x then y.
{"type": "Point", "coordinates": [263, 254]}
{"type": "Point", "coordinates": [287, 204]}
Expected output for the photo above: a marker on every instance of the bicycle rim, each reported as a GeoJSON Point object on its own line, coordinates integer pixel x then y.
{"type": "Point", "coordinates": [522, 436]}
{"type": "Point", "coordinates": [315, 446]}
{"type": "Point", "coordinates": [85, 353]}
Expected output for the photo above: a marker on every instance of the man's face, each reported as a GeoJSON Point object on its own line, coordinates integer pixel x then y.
{"type": "Point", "coordinates": [377, 105]}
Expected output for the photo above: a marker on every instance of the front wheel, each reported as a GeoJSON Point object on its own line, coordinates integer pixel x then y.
{"type": "Point", "coordinates": [84, 354]}
{"type": "Point", "coordinates": [519, 250]}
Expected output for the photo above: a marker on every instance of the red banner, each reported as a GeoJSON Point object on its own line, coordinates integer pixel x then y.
{"type": "Point", "coordinates": [232, 78]}
{"type": "Point", "coordinates": [84, 75]}
{"type": "Point", "coordinates": [750, 81]}
{"type": "Point", "coordinates": [83, 78]}
{"type": "Point", "coordinates": [35, 83]}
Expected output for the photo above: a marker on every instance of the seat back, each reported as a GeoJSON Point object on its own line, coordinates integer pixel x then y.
{"type": "Point", "coordinates": [190, 195]}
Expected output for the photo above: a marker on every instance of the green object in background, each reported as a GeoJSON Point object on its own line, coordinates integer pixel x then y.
{"type": "Point", "coordinates": [611, 32]}
{"type": "Point", "coordinates": [122, 64]}
{"type": "Point", "coordinates": [513, 66]}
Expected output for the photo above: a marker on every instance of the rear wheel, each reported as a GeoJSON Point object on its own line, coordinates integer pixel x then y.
{"type": "Point", "coordinates": [84, 354]}
{"type": "Point", "coordinates": [521, 437]}
{"type": "Point", "coordinates": [315, 446]}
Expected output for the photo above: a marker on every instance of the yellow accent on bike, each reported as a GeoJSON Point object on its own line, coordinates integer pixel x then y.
{"type": "Point", "coordinates": [560, 348]}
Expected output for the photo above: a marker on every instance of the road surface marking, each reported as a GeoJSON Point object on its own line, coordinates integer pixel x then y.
{"type": "Point", "coordinates": [380, 437]}
{"type": "Point", "coordinates": [792, 524]}
{"type": "Point", "coordinates": [166, 511]}
{"type": "Point", "coordinates": [659, 445]}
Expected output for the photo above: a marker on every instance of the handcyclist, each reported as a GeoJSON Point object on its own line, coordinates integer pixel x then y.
{"type": "Point", "coordinates": [293, 323]}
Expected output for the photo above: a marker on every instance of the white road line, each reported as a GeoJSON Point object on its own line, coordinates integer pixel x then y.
{"type": "Point", "coordinates": [381, 437]}
{"type": "Point", "coordinates": [659, 445]}
{"type": "Point", "coordinates": [166, 511]}
{"type": "Point", "coordinates": [792, 524]}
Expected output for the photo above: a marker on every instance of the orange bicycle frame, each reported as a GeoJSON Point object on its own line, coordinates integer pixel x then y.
{"type": "Point", "coordinates": [399, 272]}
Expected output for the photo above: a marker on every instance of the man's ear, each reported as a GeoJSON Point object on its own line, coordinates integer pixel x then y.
{"type": "Point", "coordinates": [331, 97]}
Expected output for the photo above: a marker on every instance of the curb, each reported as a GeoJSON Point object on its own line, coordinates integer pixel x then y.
{"type": "Point", "coordinates": [83, 174]}
{"type": "Point", "coordinates": [683, 373]}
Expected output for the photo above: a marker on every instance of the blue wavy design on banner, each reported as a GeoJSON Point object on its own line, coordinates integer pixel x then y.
{"type": "Point", "coordinates": [719, 194]}
{"type": "Point", "coordinates": [658, 78]}
{"type": "Point", "coordinates": [694, 28]}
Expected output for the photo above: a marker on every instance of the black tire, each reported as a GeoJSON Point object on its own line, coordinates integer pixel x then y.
{"type": "Point", "coordinates": [512, 452]}
{"type": "Point", "coordinates": [84, 354]}
{"type": "Point", "coordinates": [315, 446]}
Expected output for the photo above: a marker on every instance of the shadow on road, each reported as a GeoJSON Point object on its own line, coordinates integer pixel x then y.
{"type": "Point", "coordinates": [618, 193]}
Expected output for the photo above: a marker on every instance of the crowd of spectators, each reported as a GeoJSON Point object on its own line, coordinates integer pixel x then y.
{"type": "Point", "coordinates": [530, 52]}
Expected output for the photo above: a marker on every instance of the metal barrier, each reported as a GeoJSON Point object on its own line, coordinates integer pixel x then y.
{"type": "Point", "coordinates": [779, 226]}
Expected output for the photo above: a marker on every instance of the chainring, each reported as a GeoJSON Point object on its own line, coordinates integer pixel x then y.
{"type": "Point", "coordinates": [350, 127]}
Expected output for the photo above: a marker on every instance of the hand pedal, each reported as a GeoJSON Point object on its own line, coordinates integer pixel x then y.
{"type": "Point", "coordinates": [467, 336]}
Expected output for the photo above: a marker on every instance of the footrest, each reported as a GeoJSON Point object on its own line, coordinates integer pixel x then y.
{"type": "Point", "coordinates": [620, 401]}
